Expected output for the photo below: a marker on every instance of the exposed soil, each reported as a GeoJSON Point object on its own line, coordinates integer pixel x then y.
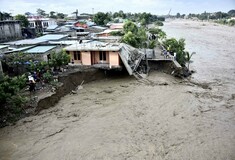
{"type": "Point", "coordinates": [158, 118]}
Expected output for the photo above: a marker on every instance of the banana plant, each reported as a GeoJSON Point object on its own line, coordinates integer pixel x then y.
{"type": "Point", "coordinates": [188, 57]}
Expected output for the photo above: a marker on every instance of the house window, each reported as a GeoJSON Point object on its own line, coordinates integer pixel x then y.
{"type": "Point", "coordinates": [102, 56]}
{"type": "Point", "coordinates": [77, 55]}
{"type": "Point", "coordinates": [31, 25]}
{"type": "Point", "coordinates": [45, 24]}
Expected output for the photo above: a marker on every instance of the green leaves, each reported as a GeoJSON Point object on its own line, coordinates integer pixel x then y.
{"type": "Point", "coordinates": [10, 87]}
{"type": "Point", "coordinates": [161, 34]}
{"type": "Point", "coordinates": [134, 36]}
{"type": "Point", "coordinates": [130, 27]}
{"type": "Point", "coordinates": [172, 45]}
{"type": "Point", "coordinates": [178, 47]}
{"type": "Point", "coordinates": [59, 58]}
{"type": "Point", "coordinates": [102, 18]}
{"type": "Point", "coordinates": [130, 39]}
{"type": "Point", "coordinates": [23, 19]}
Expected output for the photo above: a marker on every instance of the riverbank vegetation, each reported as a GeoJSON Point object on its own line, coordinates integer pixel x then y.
{"type": "Point", "coordinates": [15, 87]}
{"type": "Point", "coordinates": [217, 17]}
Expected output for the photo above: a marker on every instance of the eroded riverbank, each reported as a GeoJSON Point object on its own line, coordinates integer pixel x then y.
{"type": "Point", "coordinates": [121, 118]}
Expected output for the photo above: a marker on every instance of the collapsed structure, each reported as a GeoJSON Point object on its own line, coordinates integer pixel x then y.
{"type": "Point", "coordinates": [105, 55]}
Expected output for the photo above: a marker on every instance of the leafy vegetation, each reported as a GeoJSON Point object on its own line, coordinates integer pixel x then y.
{"type": "Point", "coordinates": [47, 76]}
{"type": "Point", "coordinates": [160, 34]}
{"type": "Point", "coordinates": [23, 19]}
{"type": "Point", "coordinates": [130, 27]}
{"type": "Point", "coordinates": [101, 18]}
{"type": "Point", "coordinates": [41, 12]}
{"type": "Point", "coordinates": [5, 16]}
{"type": "Point", "coordinates": [158, 23]}
{"type": "Point", "coordinates": [117, 33]}
{"type": "Point", "coordinates": [226, 22]}
{"type": "Point", "coordinates": [152, 44]}
{"type": "Point", "coordinates": [59, 59]}
{"type": "Point", "coordinates": [134, 36]}
{"type": "Point", "coordinates": [10, 99]}
{"type": "Point", "coordinates": [178, 47]}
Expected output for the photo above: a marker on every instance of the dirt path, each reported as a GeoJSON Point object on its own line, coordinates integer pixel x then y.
{"type": "Point", "coordinates": [126, 119]}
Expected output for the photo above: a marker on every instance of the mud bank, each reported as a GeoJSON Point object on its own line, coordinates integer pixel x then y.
{"type": "Point", "coordinates": [69, 81]}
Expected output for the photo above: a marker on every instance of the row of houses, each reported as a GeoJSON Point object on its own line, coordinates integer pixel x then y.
{"type": "Point", "coordinates": [87, 45]}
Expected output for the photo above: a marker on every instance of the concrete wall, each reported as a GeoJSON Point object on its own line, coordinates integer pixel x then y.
{"type": "Point", "coordinates": [93, 57]}
{"type": "Point", "coordinates": [10, 30]}
{"type": "Point", "coordinates": [113, 59]}
{"type": "Point", "coordinates": [71, 53]}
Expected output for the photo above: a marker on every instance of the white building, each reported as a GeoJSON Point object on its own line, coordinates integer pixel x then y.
{"type": "Point", "coordinates": [40, 23]}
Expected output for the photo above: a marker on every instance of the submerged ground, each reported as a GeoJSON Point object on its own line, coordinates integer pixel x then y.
{"type": "Point", "coordinates": [121, 118]}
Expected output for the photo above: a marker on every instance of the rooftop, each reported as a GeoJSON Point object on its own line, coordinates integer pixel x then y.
{"type": "Point", "coordinates": [10, 21]}
{"type": "Point", "coordinates": [3, 46]}
{"type": "Point", "coordinates": [40, 49]}
{"type": "Point", "coordinates": [109, 31]}
{"type": "Point", "coordinates": [52, 27]}
{"type": "Point", "coordinates": [64, 42]}
{"type": "Point", "coordinates": [52, 37]}
{"type": "Point", "coordinates": [94, 46]}
{"type": "Point", "coordinates": [26, 42]}
{"type": "Point", "coordinates": [12, 50]}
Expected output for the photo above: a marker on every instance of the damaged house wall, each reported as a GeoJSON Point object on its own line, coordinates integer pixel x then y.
{"type": "Point", "coordinates": [129, 56]}
{"type": "Point", "coordinates": [10, 30]}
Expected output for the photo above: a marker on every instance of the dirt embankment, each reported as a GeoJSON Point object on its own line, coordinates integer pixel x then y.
{"type": "Point", "coordinates": [69, 82]}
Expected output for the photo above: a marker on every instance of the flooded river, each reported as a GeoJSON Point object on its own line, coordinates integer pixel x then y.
{"type": "Point", "coordinates": [122, 118]}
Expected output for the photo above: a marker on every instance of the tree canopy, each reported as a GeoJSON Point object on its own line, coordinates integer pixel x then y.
{"type": "Point", "coordinates": [41, 12]}
{"type": "Point", "coordinates": [23, 19]}
{"type": "Point", "coordinates": [101, 18]}
{"type": "Point", "coordinates": [134, 36]}
{"type": "Point", "coordinates": [130, 27]}
{"type": "Point", "coordinates": [5, 16]}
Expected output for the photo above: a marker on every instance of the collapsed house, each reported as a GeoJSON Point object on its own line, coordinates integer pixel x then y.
{"type": "Point", "coordinates": [105, 56]}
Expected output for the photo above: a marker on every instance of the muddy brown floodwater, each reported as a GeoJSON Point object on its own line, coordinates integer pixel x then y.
{"type": "Point", "coordinates": [162, 118]}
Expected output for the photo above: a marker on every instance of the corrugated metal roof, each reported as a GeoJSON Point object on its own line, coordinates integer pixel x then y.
{"type": "Point", "coordinates": [65, 42]}
{"type": "Point", "coordinates": [40, 49]}
{"type": "Point", "coordinates": [52, 37]}
{"type": "Point", "coordinates": [3, 46]}
{"type": "Point", "coordinates": [26, 42]}
{"type": "Point", "coordinates": [51, 27]}
{"type": "Point", "coordinates": [12, 50]}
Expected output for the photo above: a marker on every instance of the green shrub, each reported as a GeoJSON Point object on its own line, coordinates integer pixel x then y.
{"type": "Point", "coordinates": [231, 22]}
{"type": "Point", "coordinates": [10, 99]}
{"type": "Point", "coordinates": [158, 23]}
{"type": "Point", "coordinates": [47, 77]}
{"type": "Point", "coordinates": [116, 33]}
{"type": "Point", "coordinates": [161, 34]}
{"type": "Point", "coordinates": [59, 59]}
{"type": "Point", "coordinates": [178, 47]}
{"type": "Point", "coordinates": [152, 44]}
{"type": "Point", "coordinates": [10, 87]}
